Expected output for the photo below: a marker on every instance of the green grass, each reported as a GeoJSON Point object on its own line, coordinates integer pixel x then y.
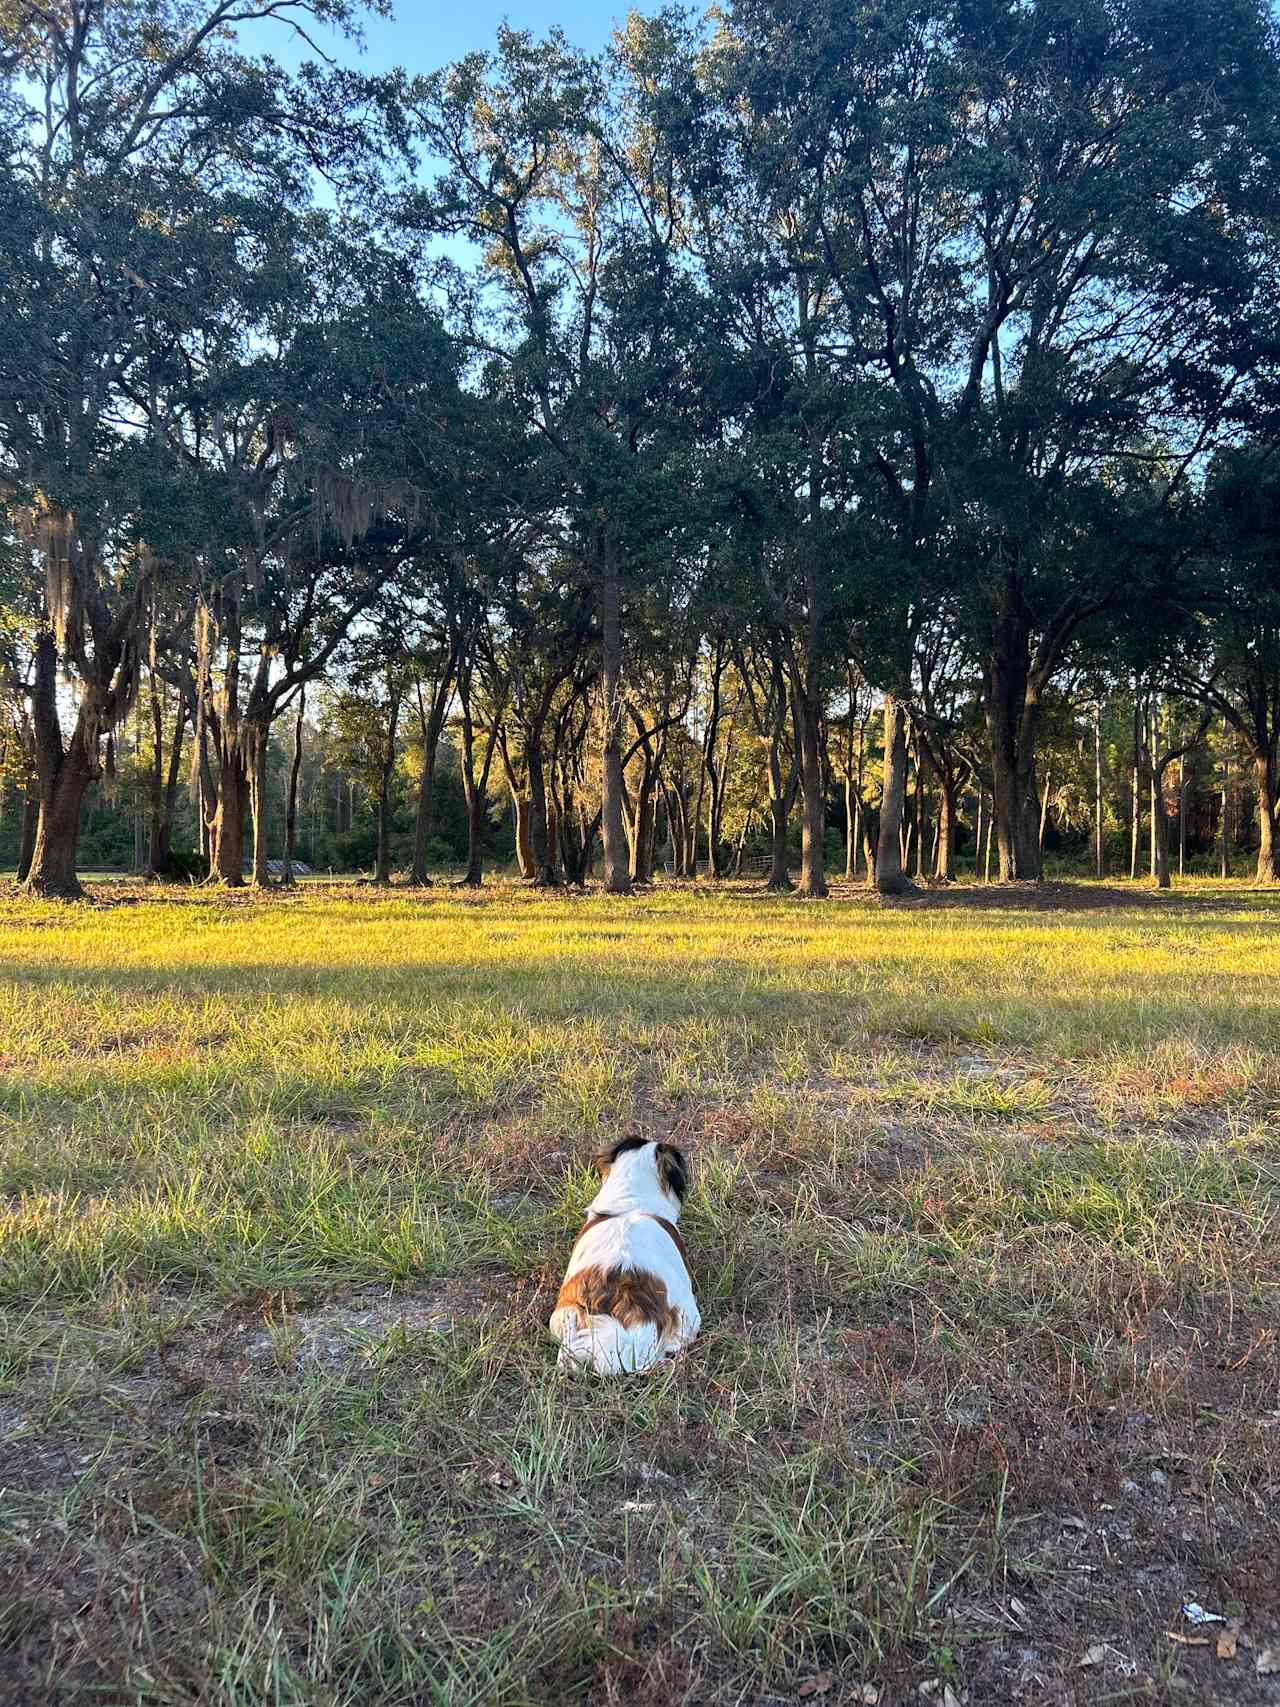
{"type": "Point", "coordinates": [984, 1230]}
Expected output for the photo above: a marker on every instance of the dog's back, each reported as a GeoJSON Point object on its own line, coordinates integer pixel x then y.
{"type": "Point", "coordinates": [627, 1300]}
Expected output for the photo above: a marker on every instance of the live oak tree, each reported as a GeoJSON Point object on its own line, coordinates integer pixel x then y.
{"type": "Point", "coordinates": [1038, 227]}
{"type": "Point", "coordinates": [545, 634]}
{"type": "Point", "coordinates": [338, 452]}
{"type": "Point", "coordinates": [554, 165]}
{"type": "Point", "coordinates": [139, 142]}
{"type": "Point", "coordinates": [1228, 658]}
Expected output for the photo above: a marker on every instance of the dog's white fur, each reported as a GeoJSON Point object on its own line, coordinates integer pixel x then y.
{"type": "Point", "coordinates": [630, 1239]}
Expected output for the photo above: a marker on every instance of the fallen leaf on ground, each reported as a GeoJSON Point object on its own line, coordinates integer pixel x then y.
{"type": "Point", "coordinates": [1267, 1662]}
{"type": "Point", "coordinates": [1226, 1644]}
{"type": "Point", "coordinates": [818, 1685]}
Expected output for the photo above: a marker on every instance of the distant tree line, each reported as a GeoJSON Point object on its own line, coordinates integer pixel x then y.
{"type": "Point", "coordinates": [810, 438]}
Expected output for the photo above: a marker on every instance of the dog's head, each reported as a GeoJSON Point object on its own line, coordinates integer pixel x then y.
{"type": "Point", "coordinates": [670, 1164]}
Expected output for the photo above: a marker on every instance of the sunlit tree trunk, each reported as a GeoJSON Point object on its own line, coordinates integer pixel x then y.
{"type": "Point", "coordinates": [891, 878]}
{"type": "Point", "coordinates": [258, 745]}
{"type": "Point", "coordinates": [291, 801]}
{"type": "Point", "coordinates": [1264, 770]}
{"type": "Point", "coordinates": [432, 723]}
{"type": "Point", "coordinates": [63, 778]}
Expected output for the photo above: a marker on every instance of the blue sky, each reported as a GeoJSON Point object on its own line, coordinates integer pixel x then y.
{"type": "Point", "coordinates": [425, 34]}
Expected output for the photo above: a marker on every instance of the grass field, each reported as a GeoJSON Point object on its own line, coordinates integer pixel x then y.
{"type": "Point", "coordinates": [984, 1228]}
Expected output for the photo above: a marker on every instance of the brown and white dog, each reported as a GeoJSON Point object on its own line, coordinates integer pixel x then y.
{"type": "Point", "coordinates": [627, 1301]}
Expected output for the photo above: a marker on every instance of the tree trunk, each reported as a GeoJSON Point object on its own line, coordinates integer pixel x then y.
{"type": "Point", "coordinates": [227, 831]}
{"type": "Point", "coordinates": [1159, 829]}
{"type": "Point", "coordinates": [977, 839]}
{"type": "Point", "coordinates": [53, 858]}
{"type": "Point", "coordinates": [432, 724]}
{"type": "Point", "coordinates": [386, 769]}
{"type": "Point", "coordinates": [694, 821]}
{"type": "Point", "coordinates": [1182, 816]}
{"type": "Point", "coordinates": [27, 837]}
{"type": "Point", "coordinates": [1004, 807]}
{"type": "Point", "coordinates": [642, 835]}
{"type": "Point", "coordinates": [1099, 858]}
{"type": "Point", "coordinates": [475, 786]}
{"type": "Point", "coordinates": [919, 813]}
{"type": "Point", "coordinates": [1224, 843]}
{"type": "Point", "coordinates": [944, 864]}
{"type": "Point", "coordinates": [1013, 713]}
{"type": "Point", "coordinates": [542, 848]}
{"type": "Point", "coordinates": [870, 845]}
{"type": "Point", "coordinates": [155, 783]}
{"type": "Point", "coordinates": [715, 871]}
{"type": "Point", "coordinates": [587, 859]}
{"type": "Point", "coordinates": [206, 794]}
{"type": "Point", "coordinates": [617, 878]}
{"type": "Point", "coordinates": [257, 741]}
{"type": "Point", "coordinates": [1264, 768]}
{"type": "Point", "coordinates": [1134, 828]}
{"type": "Point", "coordinates": [1030, 821]}
{"type": "Point", "coordinates": [651, 839]}
{"type": "Point", "coordinates": [520, 819]}
{"type": "Point", "coordinates": [680, 830]}
{"type": "Point", "coordinates": [164, 796]}
{"type": "Point", "coordinates": [475, 840]}
{"type": "Point", "coordinates": [63, 779]}
{"type": "Point", "coordinates": [891, 878]}
{"type": "Point", "coordinates": [291, 800]}
{"type": "Point", "coordinates": [779, 813]}
{"type": "Point", "coordinates": [850, 812]}
{"type": "Point", "coordinates": [813, 805]}
{"type": "Point", "coordinates": [553, 832]}
{"type": "Point", "coordinates": [1157, 807]}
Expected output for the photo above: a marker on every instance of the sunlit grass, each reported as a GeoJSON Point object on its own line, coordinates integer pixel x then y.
{"type": "Point", "coordinates": [286, 1186]}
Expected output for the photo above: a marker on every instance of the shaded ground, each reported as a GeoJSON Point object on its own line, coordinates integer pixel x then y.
{"type": "Point", "coordinates": [984, 1231]}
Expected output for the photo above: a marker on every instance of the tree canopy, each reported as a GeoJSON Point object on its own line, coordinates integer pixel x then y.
{"type": "Point", "coordinates": [799, 414]}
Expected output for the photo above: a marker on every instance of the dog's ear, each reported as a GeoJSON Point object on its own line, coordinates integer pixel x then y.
{"type": "Point", "coordinates": [605, 1160]}
{"type": "Point", "coordinates": [673, 1171]}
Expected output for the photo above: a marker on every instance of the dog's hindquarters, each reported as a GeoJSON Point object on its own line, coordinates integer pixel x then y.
{"type": "Point", "coordinates": [604, 1344]}
{"type": "Point", "coordinates": [627, 1300]}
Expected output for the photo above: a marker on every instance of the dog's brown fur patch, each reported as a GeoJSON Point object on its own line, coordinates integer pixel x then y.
{"type": "Point", "coordinates": [629, 1295]}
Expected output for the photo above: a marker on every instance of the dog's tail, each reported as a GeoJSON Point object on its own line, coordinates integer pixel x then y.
{"type": "Point", "coordinates": [603, 1344]}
